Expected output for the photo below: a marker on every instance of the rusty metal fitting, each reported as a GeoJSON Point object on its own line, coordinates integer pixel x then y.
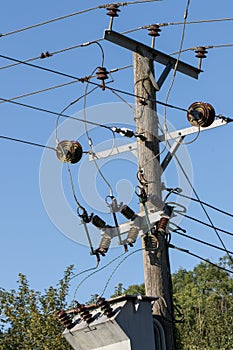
{"type": "Point", "coordinates": [201, 114]}
{"type": "Point", "coordinates": [65, 319]}
{"type": "Point", "coordinates": [69, 151]}
{"type": "Point", "coordinates": [113, 10]}
{"type": "Point", "coordinates": [102, 74]}
{"type": "Point", "coordinates": [201, 52]}
{"type": "Point", "coordinates": [154, 30]}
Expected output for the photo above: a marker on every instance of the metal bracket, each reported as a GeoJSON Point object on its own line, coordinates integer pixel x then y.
{"type": "Point", "coordinates": [123, 229]}
{"type": "Point", "coordinates": [173, 135]}
{"type": "Point", "coordinates": [150, 53]}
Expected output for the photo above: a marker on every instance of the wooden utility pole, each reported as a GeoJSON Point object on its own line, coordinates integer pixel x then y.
{"type": "Point", "coordinates": [157, 273]}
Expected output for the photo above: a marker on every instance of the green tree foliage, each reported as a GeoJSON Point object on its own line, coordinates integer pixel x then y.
{"type": "Point", "coordinates": [27, 317]}
{"type": "Point", "coordinates": [28, 322]}
{"type": "Point", "coordinates": [204, 295]}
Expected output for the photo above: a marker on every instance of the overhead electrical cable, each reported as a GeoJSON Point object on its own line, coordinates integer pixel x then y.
{"type": "Point", "coordinates": [202, 206]}
{"type": "Point", "coordinates": [114, 70]}
{"type": "Point", "coordinates": [204, 203]}
{"type": "Point", "coordinates": [199, 240]}
{"type": "Point", "coordinates": [205, 46]}
{"type": "Point", "coordinates": [92, 152]}
{"type": "Point", "coordinates": [26, 142]}
{"type": "Point", "coordinates": [56, 113]}
{"type": "Point", "coordinates": [176, 65]}
{"type": "Point", "coordinates": [205, 224]}
{"type": "Point", "coordinates": [199, 257]}
{"type": "Point", "coordinates": [93, 83]}
{"type": "Point", "coordinates": [72, 15]}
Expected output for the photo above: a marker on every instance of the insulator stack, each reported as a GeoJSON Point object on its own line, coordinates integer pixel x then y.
{"type": "Point", "coordinates": [154, 30]}
{"type": "Point", "coordinates": [69, 151]}
{"type": "Point", "coordinates": [128, 213]}
{"type": "Point", "coordinates": [132, 236]}
{"type": "Point", "coordinates": [98, 222]}
{"type": "Point", "coordinates": [162, 225]}
{"type": "Point", "coordinates": [102, 74]}
{"type": "Point", "coordinates": [65, 319]}
{"type": "Point", "coordinates": [113, 10]}
{"type": "Point", "coordinates": [151, 242]}
{"type": "Point", "coordinates": [200, 53]}
{"type": "Point", "coordinates": [104, 245]}
{"type": "Point", "coordinates": [201, 114]}
{"type": "Point", "coordinates": [105, 307]}
{"type": "Point", "coordinates": [124, 131]}
{"type": "Point", "coordinates": [85, 314]}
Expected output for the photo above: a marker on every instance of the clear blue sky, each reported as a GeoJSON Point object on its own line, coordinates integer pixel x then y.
{"type": "Point", "coordinates": [30, 242]}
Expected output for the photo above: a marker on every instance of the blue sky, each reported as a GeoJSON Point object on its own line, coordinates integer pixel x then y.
{"type": "Point", "coordinates": [31, 243]}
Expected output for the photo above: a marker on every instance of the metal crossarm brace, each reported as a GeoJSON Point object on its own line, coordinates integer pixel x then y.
{"type": "Point", "coordinates": [151, 53]}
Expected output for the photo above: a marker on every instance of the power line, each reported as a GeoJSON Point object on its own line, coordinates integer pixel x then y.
{"type": "Point", "coordinates": [204, 203]}
{"type": "Point", "coordinates": [199, 257]}
{"type": "Point", "coordinates": [205, 223]}
{"type": "Point", "coordinates": [55, 113]}
{"type": "Point", "coordinates": [72, 15]}
{"type": "Point", "coordinates": [205, 46]}
{"type": "Point", "coordinates": [200, 241]}
{"type": "Point", "coordinates": [26, 142]}
{"type": "Point", "coordinates": [114, 70]}
{"type": "Point", "coordinates": [82, 80]}
{"type": "Point", "coordinates": [176, 64]}
{"type": "Point", "coordinates": [196, 22]}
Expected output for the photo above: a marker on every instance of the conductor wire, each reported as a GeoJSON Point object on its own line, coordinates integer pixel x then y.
{"type": "Point", "coordinates": [203, 207]}
{"type": "Point", "coordinates": [176, 65]}
{"type": "Point", "coordinates": [92, 152]}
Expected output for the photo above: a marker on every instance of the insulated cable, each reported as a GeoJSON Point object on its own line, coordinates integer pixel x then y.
{"type": "Point", "coordinates": [204, 203]}
{"type": "Point", "coordinates": [26, 142]}
{"type": "Point", "coordinates": [176, 65]}
{"type": "Point", "coordinates": [199, 240]}
{"type": "Point", "coordinates": [202, 206]}
{"type": "Point", "coordinates": [205, 224]}
{"type": "Point", "coordinates": [199, 257]}
{"type": "Point", "coordinates": [72, 15]}
{"type": "Point", "coordinates": [82, 80]}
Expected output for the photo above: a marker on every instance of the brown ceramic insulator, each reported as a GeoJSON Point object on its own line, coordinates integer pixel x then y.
{"type": "Point", "coordinates": [128, 212]}
{"type": "Point", "coordinates": [65, 319]}
{"type": "Point", "coordinates": [201, 114]}
{"type": "Point", "coordinates": [98, 222]}
{"type": "Point", "coordinates": [201, 52]}
{"type": "Point", "coordinates": [113, 10]}
{"type": "Point", "coordinates": [154, 30]}
{"type": "Point", "coordinates": [69, 151]}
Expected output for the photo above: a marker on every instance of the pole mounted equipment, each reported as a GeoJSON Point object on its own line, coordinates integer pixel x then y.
{"type": "Point", "coordinates": [201, 114]}
{"type": "Point", "coordinates": [201, 53]}
{"type": "Point", "coordinates": [154, 31]}
{"type": "Point", "coordinates": [113, 10]}
{"type": "Point", "coordinates": [102, 74]}
{"type": "Point", "coordinates": [69, 151]}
